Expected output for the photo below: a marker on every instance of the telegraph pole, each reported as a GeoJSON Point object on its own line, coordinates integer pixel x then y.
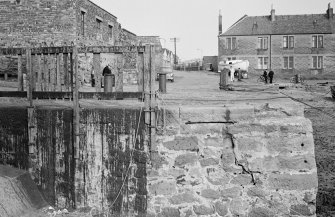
{"type": "Point", "coordinates": [175, 40]}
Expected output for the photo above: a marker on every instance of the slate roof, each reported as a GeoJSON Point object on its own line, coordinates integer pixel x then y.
{"type": "Point", "coordinates": [283, 24]}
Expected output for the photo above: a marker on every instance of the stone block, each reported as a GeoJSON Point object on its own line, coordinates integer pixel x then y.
{"type": "Point", "coordinates": [283, 163]}
{"type": "Point", "coordinates": [141, 170]}
{"type": "Point", "coordinates": [141, 187]}
{"type": "Point", "coordinates": [203, 210]}
{"type": "Point", "coordinates": [242, 179]}
{"type": "Point", "coordinates": [210, 194]}
{"type": "Point", "coordinates": [202, 129]}
{"type": "Point", "coordinates": [186, 159]}
{"type": "Point", "coordinates": [186, 197]}
{"type": "Point", "coordinates": [170, 212]}
{"type": "Point", "coordinates": [302, 210]}
{"type": "Point", "coordinates": [213, 142]}
{"type": "Point", "coordinates": [247, 144]}
{"type": "Point", "coordinates": [261, 212]}
{"type": "Point", "coordinates": [157, 160]}
{"type": "Point", "coordinates": [208, 162]}
{"type": "Point", "coordinates": [228, 157]}
{"type": "Point", "coordinates": [256, 192]}
{"type": "Point", "coordinates": [183, 143]}
{"type": "Point", "coordinates": [166, 187]}
{"type": "Point", "coordinates": [293, 182]}
{"type": "Point", "coordinates": [221, 207]}
{"type": "Point", "coordinates": [233, 192]}
{"type": "Point", "coordinates": [238, 206]}
{"type": "Point", "coordinates": [217, 176]}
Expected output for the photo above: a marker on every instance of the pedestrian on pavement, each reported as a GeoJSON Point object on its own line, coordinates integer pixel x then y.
{"type": "Point", "coordinates": [232, 72]}
{"type": "Point", "coordinates": [271, 73]}
{"type": "Point", "coordinates": [265, 75]}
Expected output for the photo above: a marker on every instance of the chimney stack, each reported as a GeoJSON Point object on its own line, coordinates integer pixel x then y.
{"type": "Point", "coordinates": [330, 12]}
{"type": "Point", "coordinates": [220, 23]}
{"type": "Point", "coordinates": [273, 15]}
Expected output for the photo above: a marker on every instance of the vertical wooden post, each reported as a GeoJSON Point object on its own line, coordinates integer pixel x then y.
{"type": "Point", "coordinates": [152, 95]}
{"type": "Point", "coordinates": [66, 71]}
{"type": "Point", "coordinates": [46, 72]}
{"type": "Point", "coordinates": [97, 71]}
{"type": "Point", "coordinates": [6, 76]}
{"type": "Point", "coordinates": [32, 134]}
{"type": "Point", "coordinates": [19, 74]}
{"type": "Point", "coordinates": [76, 111]}
{"type": "Point", "coordinates": [140, 72]}
{"type": "Point", "coordinates": [71, 75]}
{"type": "Point", "coordinates": [30, 77]}
{"type": "Point", "coordinates": [33, 71]}
{"type": "Point", "coordinates": [58, 82]}
{"type": "Point", "coordinates": [119, 77]}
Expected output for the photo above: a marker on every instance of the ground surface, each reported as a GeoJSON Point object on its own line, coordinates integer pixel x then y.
{"type": "Point", "coordinates": [202, 88]}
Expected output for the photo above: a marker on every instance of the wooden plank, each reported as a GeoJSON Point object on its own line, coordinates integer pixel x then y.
{"type": "Point", "coordinates": [97, 71]}
{"type": "Point", "coordinates": [76, 110]}
{"type": "Point", "coordinates": [30, 77]}
{"type": "Point", "coordinates": [71, 74]}
{"type": "Point", "coordinates": [19, 74]}
{"type": "Point", "coordinates": [140, 72]}
{"type": "Point", "coordinates": [39, 73]}
{"type": "Point", "coordinates": [112, 49]}
{"type": "Point", "coordinates": [119, 75]}
{"type": "Point", "coordinates": [58, 75]}
{"type": "Point", "coordinates": [68, 95]}
{"type": "Point", "coordinates": [52, 67]}
{"type": "Point", "coordinates": [32, 135]}
{"type": "Point", "coordinates": [146, 82]}
{"type": "Point", "coordinates": [52, 50]}
{"type": "Point", "coordinates": [66, 71]}
{"type": "Point", "coordinates": [12, 51]}
{"type": "Point", "coordinates": [152, 91]}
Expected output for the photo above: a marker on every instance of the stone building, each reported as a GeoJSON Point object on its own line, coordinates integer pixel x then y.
{"type": "Point", "coordinates": [56, 23]}
{"type": "Point", "coordinates": [283, 43]}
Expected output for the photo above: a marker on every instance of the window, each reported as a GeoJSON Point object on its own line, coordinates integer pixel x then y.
{"type": "Point", "coordinates": [231, 43]}
{"type": "Point", "coordinates": [98, 23]}
{"type": "Point", "coordinates": [288, 62]}
{"type": "Point", "coordinates": [288, 41]}
{"type": "Point", "coordinates": [317, 62]}
{"type": "Point", "coordinates": [317, 41]}
{"type": "Point", "coordinates": [110, 31]}
{"type": "Point", "coordinates": [82, 23]}
{"type": "Point", "coordinates": [262, 43]}
{"type": "Point", "coordinates": [263, 62]}
{"type": "Point", "coordinates": [231, 58]}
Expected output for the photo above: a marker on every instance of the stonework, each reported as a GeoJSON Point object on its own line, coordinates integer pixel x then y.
{"type": "Point", "coordinates": [263, 165]}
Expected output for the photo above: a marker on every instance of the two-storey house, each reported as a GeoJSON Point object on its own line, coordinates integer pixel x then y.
{"type": "Point", "coordinates": [284, 43]}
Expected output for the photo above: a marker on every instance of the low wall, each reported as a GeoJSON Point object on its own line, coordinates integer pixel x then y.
{"type": "Point", "coordinates": [259, 163]}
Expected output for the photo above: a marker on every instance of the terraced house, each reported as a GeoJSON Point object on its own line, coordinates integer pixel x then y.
{"type": "Point", "coordinates": [283, 43]}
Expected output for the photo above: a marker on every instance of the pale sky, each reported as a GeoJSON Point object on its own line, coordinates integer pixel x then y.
{"type": "Point", "coordinates": [195, 22]}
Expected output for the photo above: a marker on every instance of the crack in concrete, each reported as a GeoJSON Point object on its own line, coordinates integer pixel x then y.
{"type": "Point", "coordinates": [243, 163]}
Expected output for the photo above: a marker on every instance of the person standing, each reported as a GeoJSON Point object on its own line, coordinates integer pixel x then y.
{"type": "Point", "coordinates": [232, 73]}
{"type": "Point", "coordinates": [271, 73]}
{"type": "Point", "coordinates": [265, 75]}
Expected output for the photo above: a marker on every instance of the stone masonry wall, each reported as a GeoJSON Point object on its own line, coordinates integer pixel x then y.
{"type": "Point", "coordinates": [262, 165]}
{"type": "Point", "coordinates": [302, 52]}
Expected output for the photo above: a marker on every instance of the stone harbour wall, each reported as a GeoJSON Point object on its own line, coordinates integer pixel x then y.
{"type": "Point", "coordinates": [263, 164]}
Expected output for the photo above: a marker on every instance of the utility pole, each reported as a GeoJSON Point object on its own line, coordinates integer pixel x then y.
{"type": "Point", "coordinates": [175, 40]}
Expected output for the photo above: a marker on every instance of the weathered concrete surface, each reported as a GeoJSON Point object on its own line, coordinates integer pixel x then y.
{"type": "Point", "coordinates": [260, 163]}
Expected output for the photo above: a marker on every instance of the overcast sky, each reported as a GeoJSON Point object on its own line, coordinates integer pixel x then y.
{"type": "Point", "coordinates": [195, 22]}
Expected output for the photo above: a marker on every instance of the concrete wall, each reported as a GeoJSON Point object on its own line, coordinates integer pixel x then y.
{"type": "Point", "coordinates": [302, 52]}
{"type": "Point", "coordinates": [263, 165]}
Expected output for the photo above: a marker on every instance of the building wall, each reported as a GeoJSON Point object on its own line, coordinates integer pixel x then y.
{"type": "Point", "coordinates": [31, 22]}
{"type": "Point", "coordinates": [92, 34]}
{"type": "Point", "coordinates": [302, 52]}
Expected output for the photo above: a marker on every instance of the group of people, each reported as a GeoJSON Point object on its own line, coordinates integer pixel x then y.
{"type": "Point", "coordinates": [266, 75]}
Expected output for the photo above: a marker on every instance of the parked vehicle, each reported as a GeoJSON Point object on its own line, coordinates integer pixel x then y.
{"type": "Point", "coordinates": [238, 65]}
{"type": "Point", "coordinates": [170, 77]}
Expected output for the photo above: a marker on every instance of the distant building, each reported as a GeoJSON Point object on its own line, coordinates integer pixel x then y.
{"type": "Point", "coordinates": [210, 61]}
{"type": "Point", "coordinates": [284, 43]}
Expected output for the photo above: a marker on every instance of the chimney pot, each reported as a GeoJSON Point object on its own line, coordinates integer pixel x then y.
{"type": "Point", "coordinates": [273, 15]}
{"type": "Point", "coordinates": [220, 23]}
